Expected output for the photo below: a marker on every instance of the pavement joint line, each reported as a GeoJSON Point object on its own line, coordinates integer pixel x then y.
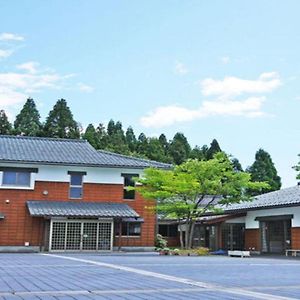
{"type": "Point", "coordinates": [237, 291]}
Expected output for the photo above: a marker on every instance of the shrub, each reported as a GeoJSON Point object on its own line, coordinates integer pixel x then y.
{"type": "Point", "coordinates": [202, 251]}
{"type": "Point", "coordinates": [160, 242]}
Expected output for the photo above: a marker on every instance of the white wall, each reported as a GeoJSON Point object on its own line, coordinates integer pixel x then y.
{"type": "Point", "coordinates": [251, 215]}
{"type": "Point", "coordinates": [237, 220]}
{"type": "Point", "coordinates": [60, 173]}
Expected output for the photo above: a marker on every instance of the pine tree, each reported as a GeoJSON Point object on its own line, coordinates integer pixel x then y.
{"type": "Point", "coordinates": [90, 135]}
{"type": "Point", "coordinates": [155, 151]}
{"type": "Point", "coordinates": [198, 153]}
{"type": "Point", "coordinates": [213, 149]}
{"type": "Point", "coordinates": [28, 120]}
{"type": "Point", "coordinates": [263, 169]}
{"type": "Point", "coordinates": [116, 141]}
{"type": "Point", "coordinates": [142, 144]}
{"type": "Point", "coordinates": [131, 139]}
{"type": "Point", "coordinates": [179, 148]}
{"type": "Point", "coordinates": [60, 122]}
{"type": "Point", "coordinates": [102, 137]}
{"type": "Point", "coordinates": [236, 165]}
{"type": "Point", "coordinates": [5, 126]}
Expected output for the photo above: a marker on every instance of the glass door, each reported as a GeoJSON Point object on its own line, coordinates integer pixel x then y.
{"type": "Point", "coordinates": [89, 236]}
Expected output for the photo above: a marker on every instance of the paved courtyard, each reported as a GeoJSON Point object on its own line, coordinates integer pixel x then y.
{"type": "Point", "coordinates": [146, 276]}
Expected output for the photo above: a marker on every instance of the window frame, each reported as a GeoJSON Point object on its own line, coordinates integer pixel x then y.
{"type": "Point", "coordinates": [129, 176]}
{"type": "Point", "coordinates": [29, 171]}
{"type": "Point", "coordinates": [77, 186]}
{"type": "Point", "coordinates": [127, 225]}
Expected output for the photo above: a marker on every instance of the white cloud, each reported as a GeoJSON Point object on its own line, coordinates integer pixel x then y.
{"type": "Point", "coordinates": [169, 115]}
{"type": "Point", "coordinates": [15, 87]}
{"type": "Point", "coordinates": [234, 86]}
{"type": "Point", "coordinates": [180, 68]}
{"type": "Point", "coordinates": [5, 53]}
{"type": "Point", "coordinates": [225, 60]}
{"type": "Point", "coordinates": [225, 103]}
{"type": "Point", "coordinates": [85, 88]}
{"type": "Point", "coordinates": [5, 36]}
{"type": "Point", "coordinates": [30, 67]}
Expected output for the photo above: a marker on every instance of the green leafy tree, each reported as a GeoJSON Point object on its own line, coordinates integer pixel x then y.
{"type": "Point", "coordinates": [179, 148]}
{"type": "Point", "coordinates": [60, 122]}
{"type": "Point", "coordinates": [213, 149]}
{"type": "Point", "coordinates": [263, 169]}
{"type": "Point", "coordinates": [28, 120]}
{"type": "Point", "coordinates": [182, 193]}
{"type": "Point", "coordinates": [131, 139]}
{"type": "Point", "coordinates": [5, 125]}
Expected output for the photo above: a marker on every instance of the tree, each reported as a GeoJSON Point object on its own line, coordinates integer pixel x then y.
{"type": "Point", "coordinates": [263, 169]}
{"type": "Point", "coordinates": [90, 135]}
{"type": "Point", "coordinates": [195, 188]}
{"type": "Point", "coordinates": [60, 122]}
{"type": "Point", "coordinates": [179, 148]}
{"type": "Point", "coordinates": [142, 144]}
{"type": "Point", "coordinates": [116, 141]}
{"type": "Point", "coordinates": [28, 120]}
{"type": "Point", "coordinates": [213, 149]}
{"type": "Point", "coordinates": [236, 165]}
{"type": "Point", "coordinates": [199, 153]}
{"type": "Point", "coordinates": [102, 137]}
{"type": "Point", "coordinates": [5, 126]}
{"type": "Point", "coordinates": [155, 151]}
{"type": "Point", "coordinates": [131, 139]}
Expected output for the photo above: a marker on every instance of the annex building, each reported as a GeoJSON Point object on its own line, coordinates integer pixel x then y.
{"type": "Point", "coordinates": [270, 224]}
{"type": "Point", "coordinates": [63, 195]}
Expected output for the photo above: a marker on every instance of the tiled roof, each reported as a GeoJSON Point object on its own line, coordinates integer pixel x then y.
{"type": "Point", "coordinates": [80, 209]}
{"type": "Point", "coordinates": [20, 149]}
{"type": "Point", "coordinates": [120, 160]}
{"type": "Point", "coordinates": [285, 197]}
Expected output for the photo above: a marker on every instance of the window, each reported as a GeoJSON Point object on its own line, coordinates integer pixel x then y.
{"type": "Point", "coordinates": [130, 229]}
{"type": "Point", "coordinates": [76, 184]}
{"type": "Point", "coordinates": [16, 178]}
{"type": "Point", "coordinates": [129, 182]}
{"type": "Point", "coordinates": [168, 230]}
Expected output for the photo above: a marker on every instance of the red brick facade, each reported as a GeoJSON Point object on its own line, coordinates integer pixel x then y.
{"type": "Point", "coordinates": [19, 227]}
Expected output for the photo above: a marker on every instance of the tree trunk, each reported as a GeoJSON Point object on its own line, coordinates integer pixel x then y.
{"type": "Point", "coordinates": [181, 236]}
{"type": "Point", "coordinates": [191, 235]}
{"type": "Point", "coordinates": [187, 233]}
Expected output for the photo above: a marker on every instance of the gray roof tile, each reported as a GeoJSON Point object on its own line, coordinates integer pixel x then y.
{"type": "Point", "coordinates": [67, 152]}
{"type": "Point", "coordinates": [79, 209]}
{"type": "Point", "coordinates": [284, 197]}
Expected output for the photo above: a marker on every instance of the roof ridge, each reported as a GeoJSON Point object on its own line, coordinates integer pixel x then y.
{"type": "Point", "coordinates": [42, 138]}
{"type": "Point", "coordinates": [132, 157]}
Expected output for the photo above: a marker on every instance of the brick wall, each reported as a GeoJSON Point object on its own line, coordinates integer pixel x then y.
{"type": "Point", "coordinates": [295, 232]}
{"type": "Point", "coordinates": [18, 227]}
{"type": "Point", "coordinates": [252, 239]}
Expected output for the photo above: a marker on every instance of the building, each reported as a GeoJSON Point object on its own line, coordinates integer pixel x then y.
{"type": "Point", "coordinates": [270, 224]}
{"type": "Point", "coordinates": [63, 195]}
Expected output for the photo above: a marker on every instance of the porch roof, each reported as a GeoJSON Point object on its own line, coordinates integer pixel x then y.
{"type": "Point", "coordinates": [80, 209]}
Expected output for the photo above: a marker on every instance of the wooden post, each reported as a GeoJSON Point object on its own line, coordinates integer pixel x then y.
{"type": "Point", "coordinates": [120, 235]}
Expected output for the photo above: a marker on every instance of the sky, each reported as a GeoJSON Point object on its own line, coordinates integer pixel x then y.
{"type": "Point", "coordinates": [228, 70]}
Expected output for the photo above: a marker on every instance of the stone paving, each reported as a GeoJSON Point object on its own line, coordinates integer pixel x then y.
{"type": "Point", "coordinates": [146, 276]}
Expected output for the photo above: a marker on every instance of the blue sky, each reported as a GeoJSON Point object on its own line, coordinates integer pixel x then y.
{"type": "Point", "coordinates": [228, 70]}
